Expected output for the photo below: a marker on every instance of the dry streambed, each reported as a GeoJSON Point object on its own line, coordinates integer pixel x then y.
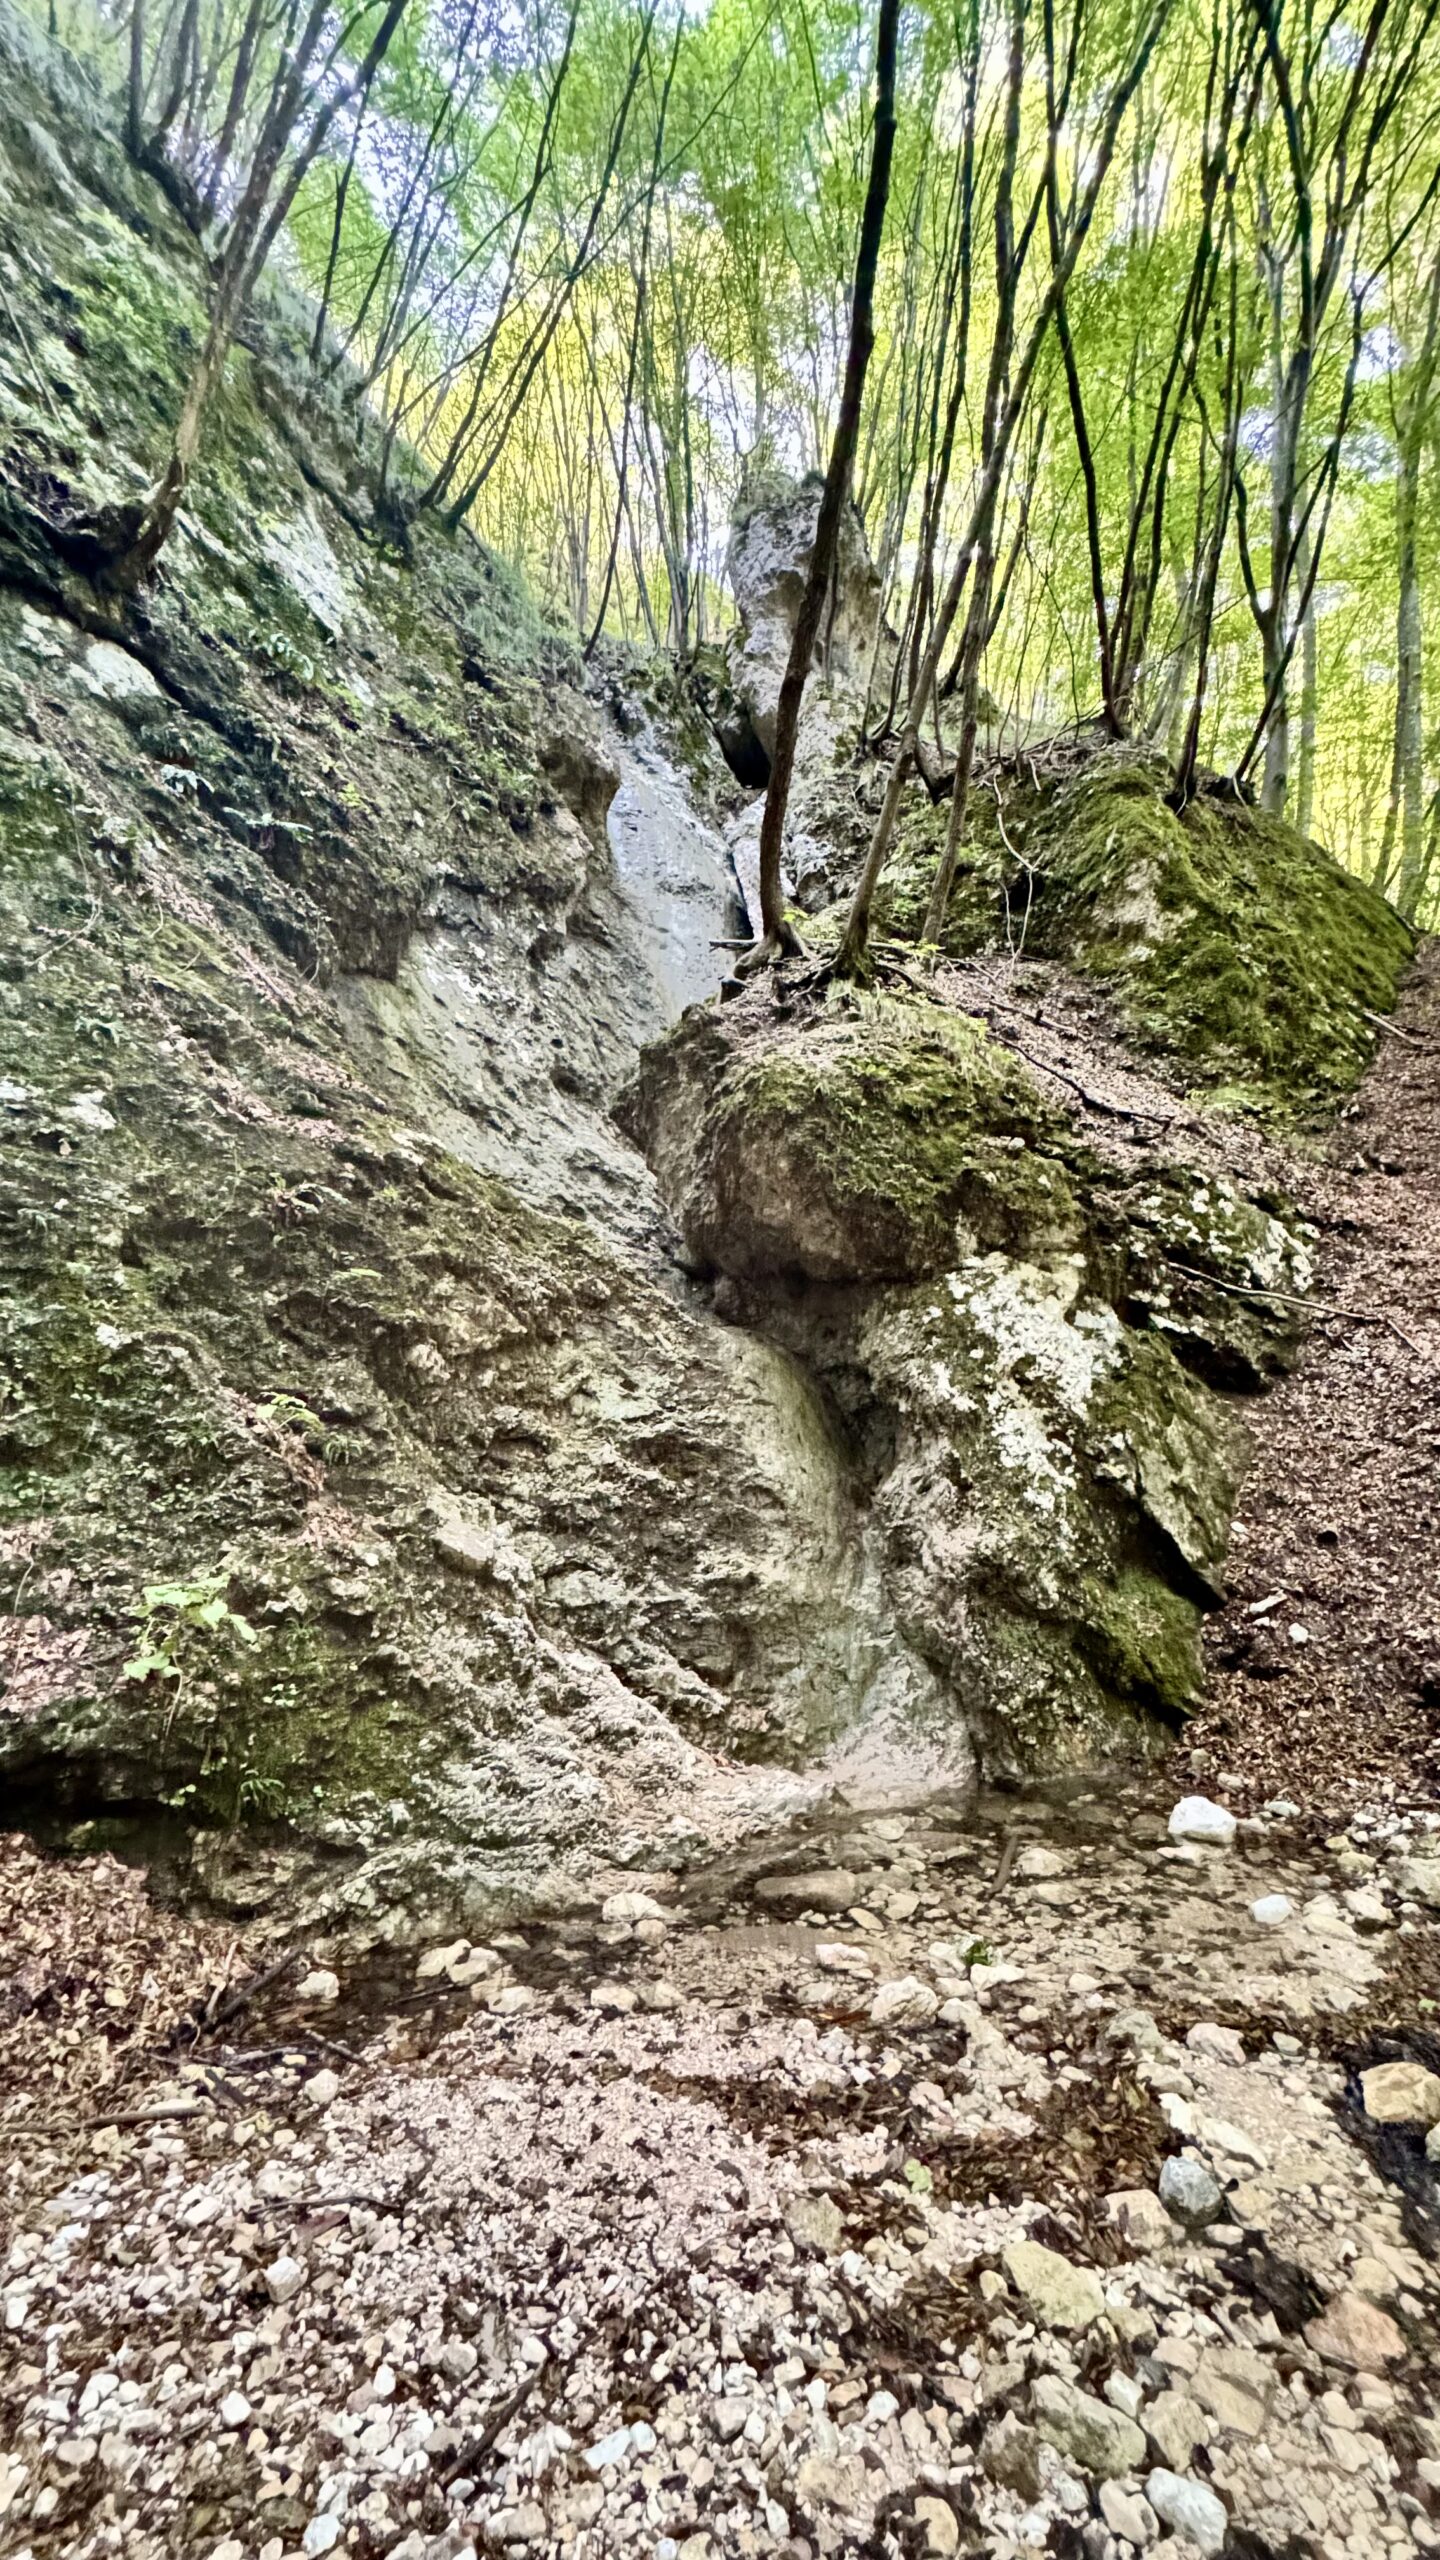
{"type": "Point", "coordinates": [944, 2179]}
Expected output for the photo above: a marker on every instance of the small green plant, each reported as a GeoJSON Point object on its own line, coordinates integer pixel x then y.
{"type": "Point", "coordinates": [286, 657]}
{"type": "Point", "coordinates": [293, 1414]}
{"type": "Point", "coordinates": [167, 1610]}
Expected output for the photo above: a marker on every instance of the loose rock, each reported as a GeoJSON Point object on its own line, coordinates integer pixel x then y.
{"type": "Point", "coordinates": [1104, 2442]}
{"type": "Point", "coordinates": [1190, 2193]}
{"type": "Point", "coordinates": [1401, 2093]}
{"type": "Point", "coordinates": [1059, 2295]}
{"type": "Point", "coordinates": [1189, 2508]}
{"type": "Point", "coordinates": [1353, 2332]}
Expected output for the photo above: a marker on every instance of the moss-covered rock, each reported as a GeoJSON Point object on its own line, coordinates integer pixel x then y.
{"type": "Point", "coordinates": [1057, 1506]}
{"type": "Point", "coordinates": [367, 1500]}
{"type": "Point", "coordinates": [875, 1143]}
{"type": "Point", "coordinates": [1051, 1487]}
{"type": "Point", "coordinates": [1229, 939]}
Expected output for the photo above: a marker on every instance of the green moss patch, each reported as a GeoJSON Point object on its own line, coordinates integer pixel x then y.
{"type": "Point", "coordinates": [1230, 939]}
{"type": "Point", "coordinates": [875, 1144]}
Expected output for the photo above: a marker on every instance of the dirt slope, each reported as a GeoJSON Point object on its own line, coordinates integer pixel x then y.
{"type": "Point", "coordinates": [1331, 1692]}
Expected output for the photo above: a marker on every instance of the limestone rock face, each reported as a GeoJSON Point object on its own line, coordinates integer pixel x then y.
{"type": "Point", "coordinates": [375, 1496]}
{"type": "Point", "coordinates": [883, 1189]}
{"type": "Point", "coordinates": [766, 565]}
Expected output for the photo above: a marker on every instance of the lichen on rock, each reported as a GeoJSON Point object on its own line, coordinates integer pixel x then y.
{"type": "Point", "coordinates": [1051, 1488]}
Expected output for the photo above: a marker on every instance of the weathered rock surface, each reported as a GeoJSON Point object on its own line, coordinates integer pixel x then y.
{"type": "Point", "coordinates": [1104, 2442]}
{"type": "Point", "coordinates": [766, 564]}
{"type": "Point", "coordinates": [357, 1496]}
{"type": "Point", "coordinates": [883, 1189]}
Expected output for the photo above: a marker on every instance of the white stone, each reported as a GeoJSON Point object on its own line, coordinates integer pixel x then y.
{"type": "Point", "coordinates": [908, 2002]}
{"type": "Point", "coordinates": [322, 2088]}
{"type": "Point", "coordinates": [438, 1960]}
{"type": "Point", "coordinates": [322, 1984]}
{"type": "Point", "coordinates": [283, 2278]}
{"type": "Point", "coordinates": [321, 2535]}
{"type": "Point", "coordinates": [234, 2409]}
{"type": "Point", "coordinates": [1272, 1911]}
{"type": "Point", "coordinates": [509, 2002]}
{"type": "Point", "coordinates": [609, 2451]}
{"type": "Point", "coordinates": [834, 1956]}
{"type": "Point", "coordinates": [631, 1907]}
{"type": "Point", "coordinates": [1189, 2508]}
{"type": "Point", "coordinates": [1128, 2514]}
{"type": "Point", "coordinates": [1196, 1818]}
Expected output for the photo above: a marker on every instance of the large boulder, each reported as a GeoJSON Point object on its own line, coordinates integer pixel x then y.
{"type": "Point", "coordinates": [874, 1144]}
{"type": "Point", "coordinates": [879, 1184]}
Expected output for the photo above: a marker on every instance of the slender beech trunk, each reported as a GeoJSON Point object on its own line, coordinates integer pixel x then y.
{"type": "Point", "coordinates": [776, 934]}
{"type": "Point", "coordinates": [851, 958]}
{"type": "Point", "coordinates": [262, 208]}
{"type": "Point", "coordinates": [1405, 815]}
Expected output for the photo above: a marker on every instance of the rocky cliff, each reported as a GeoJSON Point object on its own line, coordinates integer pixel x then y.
{"type": "Point", "coordinates": [392, 1506]}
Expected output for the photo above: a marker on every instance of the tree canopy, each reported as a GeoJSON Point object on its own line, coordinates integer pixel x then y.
{"type": "Point", "coordinates": [1151, 430]}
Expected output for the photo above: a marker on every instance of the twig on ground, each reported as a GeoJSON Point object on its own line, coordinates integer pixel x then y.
{"type": "Point", "coordinates": [248, 1991]}
{"type": "Point", "coordinates": [1391, 1029]}
{"type": "Point", "coordinates": [171, 2112]}
{"type": "Point", "coordinates": [1294, 1298]}
{"type": "Point", "coordinates": [479, 2445]}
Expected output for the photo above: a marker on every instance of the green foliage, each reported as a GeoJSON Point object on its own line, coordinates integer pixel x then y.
{"type": "Point", "coordinates": [170, 1611]}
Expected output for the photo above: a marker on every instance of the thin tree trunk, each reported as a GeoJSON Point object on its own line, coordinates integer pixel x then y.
{"type": "Point", "coordinates": [1406, 814]}
{"type": "Point", "coordinates": [850, 961]}
{"type": "Point", "coordinates": [776, 935]}
{"type": "Point", "coordinates": [251, 235]}
{"type": "Point", "coordinates": [1309, 697]}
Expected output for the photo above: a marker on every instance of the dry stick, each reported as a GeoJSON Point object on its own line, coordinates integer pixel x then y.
{"type": "Point", "coordinates": [1293, 1298]}
{"type": "Point", "coordinates": [1391, 1029]}
{"type": "Point", "coordinates": [1095, 1101]}
{"type": "Point", "coordinates": [249, 1991]}
{"type": "Point", "coordinates": [172, 2114]}
{"type": "Point", "coordinates": [479, 2445]}
{"type": "Point", "coordinates": [776, 934]}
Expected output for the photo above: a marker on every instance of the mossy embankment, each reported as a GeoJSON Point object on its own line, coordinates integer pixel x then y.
{"type": "Point", "coordinates": [1227, 940]}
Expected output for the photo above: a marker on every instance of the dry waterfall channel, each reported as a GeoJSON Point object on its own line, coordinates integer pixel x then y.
{"type": "Point", "coordinates": [923, 2173]}
{"type": "Point", "coordinates": [935, 2174]}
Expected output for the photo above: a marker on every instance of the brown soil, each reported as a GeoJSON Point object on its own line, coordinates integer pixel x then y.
{"type": "Point", "coordinates": [1332, 1695]}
